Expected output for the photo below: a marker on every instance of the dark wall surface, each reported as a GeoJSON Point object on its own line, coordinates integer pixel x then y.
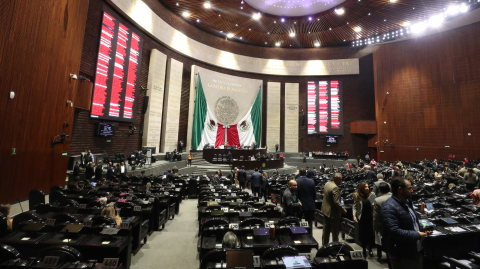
{"type": "Point", "coordinates": [40, 45]}
{"type": "Point", "coordinates": [434, 95]}
{"type": "Point", "coordinates": [358, 89]}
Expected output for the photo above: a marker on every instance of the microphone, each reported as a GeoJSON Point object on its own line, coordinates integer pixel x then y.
{"type": "Point", "coordinates": [18, 199]}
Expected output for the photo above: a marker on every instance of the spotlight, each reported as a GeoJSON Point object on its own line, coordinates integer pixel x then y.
{"type": "Point", "coordinates": [393, 1]}
{"type": "Point", "coordinates": [283, 20]}
{"type": "Point", "coordinates": [309, 18]}
{"type": "Point", "coordinates": [463, 8]}
{"type": "Point", "coordinates": [436, 20]}
{"type": "Point", "coordinates": [453, 10]}
{"type": "Point", "coordinates": [186, 14]}
{"type": "Point", "coordinates": [358, 29]}
{"type": "Point", "coordinates": [207, 5]}
{"type": "Point", "coordinates": [198, 20]}
{"type": "Point", "coordinates": [406, 23]}
{"type": "Point", "coordinates": [317, 44]}
{"type": "Point", "coordinates": [277, 44]}
{"type": "Point", "coordinates": [340, 11]}
{"type": "Point", "coordinates": [292, 34]}
{"type": "Point", "coordinates": [229, 35]}
{"type": "Point", "coordinates": [256, 16]}
{"type": "Point", "coordinates": [418, 27]}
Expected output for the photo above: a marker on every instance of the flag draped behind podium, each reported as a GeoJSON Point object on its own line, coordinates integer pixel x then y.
{"type": "Point", "coordinates": [208, 130]}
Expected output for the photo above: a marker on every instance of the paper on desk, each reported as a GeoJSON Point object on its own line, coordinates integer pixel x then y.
{"type": "Point", "coordinates": [456, 229]}
{"type": "Point", "coordinates": [437, 233]}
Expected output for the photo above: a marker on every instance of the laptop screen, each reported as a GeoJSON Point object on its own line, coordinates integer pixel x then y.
{"type": "Point", "coordinates": [296, 262]}
{"type": "Point", "coordinates": [239, 258]}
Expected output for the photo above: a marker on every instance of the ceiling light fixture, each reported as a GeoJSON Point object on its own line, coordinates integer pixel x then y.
{"type": "Point", "coordinates": [317, 44]}
{"type": "Point", "coordinates": [406, 23]}
{"type": "Point", "coordinates": [358, 29]}
{"type": "Point", "coordinates": [418, 27]}
{"type": "Point", "coordinates": [283, 20]}
{"type": "Point", "coordinates": [393, 1]}
{"type": "Point", "coordinates": [207, 5]}
{"type": "Point", "coordinates": [340, 11]}
{"type": "Point", "coordinates": [453, 10]}
{"type": "Point", "coordinates": [436, 21]}
{"type": "Point", "coordinates": [292, 34]}
{"type": "Point", "coordinates": [463, 8]}
{"type": "Point", "coordinates": [256, 16]}
{"type": "Point", "coordinates": [277, 44]}
{"type": "Point", "coordinates": [229, 35]}
{"type": "Point", "coordinates": [309, 18]}
{"type": "Point", "coordinates": [186, 14]}
{"type": "Point", "coordinates": [198, 20]}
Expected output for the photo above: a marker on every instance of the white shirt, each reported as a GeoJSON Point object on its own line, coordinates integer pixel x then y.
{"type": "Point", "coordinates": [122, 169]}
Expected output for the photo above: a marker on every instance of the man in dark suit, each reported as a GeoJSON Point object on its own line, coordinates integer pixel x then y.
{"type": "Point", "coordinates": [310, 173]}
{"type": "Point", "coordinates": [242, 177]}
{"type": "Point", "coordinates": [256, 181]}
{"type": "Point", "coordinates": [98, 171]}
{"type": "Point", "coordinates": [180, 146]}
{"type": "Point", "coordinates": [254, 145]}
{"type": "Point", "coordinates": [229, 157]}
{"type": "Point", "coordinates": [110, 171]}
{"type": "Point", "coordinates": [76, 171]}
{"type": "Point", "coordinates": [276, 147]}
{"type": "Point", "coordinates": [257, 156]}
{"type": "Point", "coordinates": [306, 193]}
{"type": "Point", "coordinates": [371, 174]}
{"type": "Point", "coordinates": [89, 171]}
{"type": "Point", "coordinates": [276, 173]}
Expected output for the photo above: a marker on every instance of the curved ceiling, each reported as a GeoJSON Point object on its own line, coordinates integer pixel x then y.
{"type": "Point", "coordinates": [293, 7]}
{"type": "Point", "coordinates": [328, 28]}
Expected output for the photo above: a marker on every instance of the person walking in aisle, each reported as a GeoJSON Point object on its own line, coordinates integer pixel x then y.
{"type": "Point", "coordinates": [256, 182]}
{"type": "Point", "coordinates": [332, 209]}
{"type": "Point", "coordinates": [362, 214]}
{"type": "Point", "coordinates": [306, 193]}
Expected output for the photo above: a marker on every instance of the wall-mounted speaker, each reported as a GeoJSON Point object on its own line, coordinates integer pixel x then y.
{"type": "Point", "coordinates": [145, 104]}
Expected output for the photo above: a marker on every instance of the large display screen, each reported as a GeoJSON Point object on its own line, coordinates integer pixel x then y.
{"type": "Point", "coordinates": [118, 70]}
{"type": "Point", "coordinates": [325, 107]}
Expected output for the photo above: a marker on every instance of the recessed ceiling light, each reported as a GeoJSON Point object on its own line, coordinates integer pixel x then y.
{"type": "Point", "coordinates": [369, 14]}
{"type": "Point", "coordinates": [198, 20]}
{"type": "Point", "coordinates": [418, 27]}
{"type": "Point", "coordinates": [186, 14]}
{"type": "Point", "coordinates": [292, 34]}
{"type": "Point", "coordinates": [393, 1]}
{"type": "Point", "coordinates": [249, 29]}
{"type": "Point", "coordinates": [330, 29]}
{"type": "Point", "coordinates": [207, 5]}
{"type": "Point", "coordinates": [340, 11]}
{"type": "Point", "coordinates": [277, 44]}
{"type": "Point", "coordinates": [241, 7]}
{"type": "Point", "coordinates": [265, 43]}
{"type": "Point", "coordinates": [358, 29]}
{"type": "Point", "coordinates": [283, 20]}
{"type": "Point", "coordinates": [274, 21]}
{"type": "Point", "coordinates": [463, 8]}
{"type": "Point", "coordinates": [256, 16]}
{"type": "Point", "coordinates": [406, 23]}
{"type": "Point", "coordinates": [317, 44]}
{"type": "Point", "coordinates": [236, 25]}
{"type": "Point", "coordinates": [229, 35]}
{"type": "Point", "coordinates": [177, 4]}
{"type": "Point", "coordinates": [309, 18]}
{"type": "Point", "coordinates": [219, 15]}
{"type": "Point", "coordinates": [241, 38]}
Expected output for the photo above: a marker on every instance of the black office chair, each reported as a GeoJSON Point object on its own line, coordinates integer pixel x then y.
{"type": "Point", "coordinates": [23, 217]}
{"type": "Point", "coordinates": [214, 159]}
{"type": "Point", "coordinates": [215, 255]}
{"type": "Point", "coordinates": [278, 252]}
{"type": "Point", "coordinates": [56, 197]}
{"type": "Point", "coordinates": [252, 222]}
{"type": "Point", "coordinates": [63, 218]}
{"type": "Point", "coordinates": [65, 253]}
{"type": "Point", "coordinates": [56, 188]}
{"type": "Point", "coordinates": [8, 253]}
{"type": "Point", "coordinates": [214, 222]}
{"type": "Point", "coordinates": [243, 207]}
{"type": "Point", "coordinates": [95, 205]}
{"type": "Point", "coordinates": [332, 248]}
{"type": "Point", "coordinates": [69, 202]}
{"type": "Point", "coordinates": [214, 207]}
{"type": "Point", "coordinates": [35, 197]}
{"type": "Point", "coordinates": [268, 207]}
{"type": "Point", "coordinates": [3, 226]}
{"type": "Point", "coordinates": [289, 221]}
{"type": "Point", "coordinates": [99, 220]}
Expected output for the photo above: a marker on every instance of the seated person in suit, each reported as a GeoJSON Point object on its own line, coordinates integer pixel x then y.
{"type": "Point", "coordinates": [263, 158]}
{"type": "Point", "coordinates": [230, 240]}
{"type": "Point", "coordinates": [252, 158]}
{"type": "Point", "coordinates": [257, 156]}
{"type": "Point", "coordinates": [5, 210]}
{"type": "Point", "coordinates": [109, 211]}
{"type": "Point", "coordinates": [271, 156]}
{"type": "Point", "coordinates": [229, 156]}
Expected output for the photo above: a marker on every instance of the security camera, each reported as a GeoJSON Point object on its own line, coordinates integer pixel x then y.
{"type": "Point", "coordinates": [73, 76]}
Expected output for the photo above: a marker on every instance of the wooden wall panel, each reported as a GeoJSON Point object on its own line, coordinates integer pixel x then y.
{"type": "Point", "coordinates": [83, 98]}
{"type": "Point", "coordinates": [363, 127]}
{"type": "Point", "coordinates": [433, 102]}
{"type": "Point", "coordinates": [358, 89]}
{"type": "Point", "coordinates": [41, 45]}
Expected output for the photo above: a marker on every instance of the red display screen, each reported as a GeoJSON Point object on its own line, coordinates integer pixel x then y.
{"type": "Point", "coordinates": [119, 56]}
{"type": "Point", "coordinates": [325, 107]}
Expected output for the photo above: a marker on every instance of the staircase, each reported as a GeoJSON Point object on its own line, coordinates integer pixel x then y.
{"type": "Point", "coordinates": [204, 167]}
